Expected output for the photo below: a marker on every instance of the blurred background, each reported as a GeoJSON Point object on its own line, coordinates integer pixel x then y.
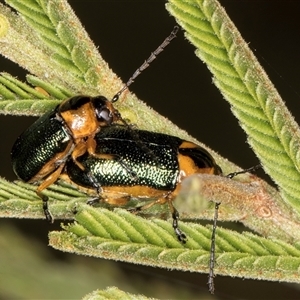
{"type": "Point", "coordinates": [179, 86]}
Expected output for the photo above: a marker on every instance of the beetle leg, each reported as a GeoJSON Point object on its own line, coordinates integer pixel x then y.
{"type": "Point", "coordinates": [47, 182]}
{"type": "Point", "coordinates": [93, 201]}
{"type": "Point", "coordinates": [46, 210]}
{"type": "Point", "coordinates": [83, 146]}
{"type": "Point", "coordinates": [94, 182]}
{"type": "Point", "coordinates": [179, 233]}
{"type": "Point", "coordinates": [119, 201]}
{"type": "Point", "coordinates": [78, 151]}
{"type": "Point", "coordinates": [90, 146]}
{"type": "Point", "coordinates": [112, 201]}
{"type": "Point", "coordinates": [175, 215]}
{"type": "Point", "coordinates": [148, 205]}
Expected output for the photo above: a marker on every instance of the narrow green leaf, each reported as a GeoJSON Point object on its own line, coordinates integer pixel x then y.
{"type": "Point", "coordinates": [65, 41]}
{"type": "Point", "coordinates": [36, 18]}
{"type": "Point", "coordinates": [20, 43]}
{"type": "Point", "coordinates": [106, 234]}
{"type": "Point", "coordinates": [32, 11]}
{"type": "Point", "coordinates": [19, 200]}
{"type": "Point", "coordinates": [13, 87]}
{"type": "Point", "coordinates": [56, 91]}
{"type": "Point", "coordinates": [27, 107]}
{"type": "Point", "coordinates": [20, 88]}
{"type": "Point", "coordinates": [6, 93]}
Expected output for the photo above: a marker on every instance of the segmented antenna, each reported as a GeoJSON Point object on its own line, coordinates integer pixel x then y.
{"type": "Point", "coordinates": [211, 274]}
{"type": "Point", "coordinates": [212, 259]}
{"type": "Point", "coordinates": [146, 63]}
{"type": "Point", "coordinates": [252, 169]}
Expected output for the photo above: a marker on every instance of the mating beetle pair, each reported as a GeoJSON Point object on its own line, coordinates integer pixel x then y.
{"type": "Point", "coordinates": [118, 168]}
{"type": "Point", "coordinates": [119, 162]}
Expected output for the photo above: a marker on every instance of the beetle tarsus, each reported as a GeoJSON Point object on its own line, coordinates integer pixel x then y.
{"type": "Point", "coordinates": [47, 213]}
{"type": "Point", "coordinates": [180, 234]}
{"type": "Point", "coordinates": [94, 182]}
{"type": "Point", "coordinates": [93, 201]}
{"type": "Point", "coordinates": [135, 210]}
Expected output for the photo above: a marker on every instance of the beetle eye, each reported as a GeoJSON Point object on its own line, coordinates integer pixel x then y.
{"type": "Point", "coordinates": [103, 109]}
{"type": "Point", "coordinates": [104, 115]}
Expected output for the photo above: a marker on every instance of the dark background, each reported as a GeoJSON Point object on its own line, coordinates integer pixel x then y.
{"type": "Point", "coordinates": [179, 86]}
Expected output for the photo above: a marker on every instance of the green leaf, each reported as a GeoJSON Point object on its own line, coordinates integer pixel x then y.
{"type": "Point", "coordinates": [272, 132]}
{"type": "Point", "coordinates": [21, 98]}
{"type": "Point", "coordinates": [37, 32]}
{"type": "Point", "coordinates": [19, 200]}
{"type": "Point", "coordinates": [120, 235]}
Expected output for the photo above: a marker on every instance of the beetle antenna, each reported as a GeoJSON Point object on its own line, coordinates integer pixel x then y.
{"type": "Point", "coordinates": [211, 274]}
{"type": "Point", "coordinates": [147, 62]}
{"type": "Point", "coordinates": [212, 258]}
{"type": "Point", "coordinates": [252, 169]}
{"type": "Point", "coordinates": [144, 66]}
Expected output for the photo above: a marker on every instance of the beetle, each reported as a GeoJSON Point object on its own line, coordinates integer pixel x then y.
{"type": "Point", "coordinates": [40, 153]}
{"type": "Point", "coordinates": [120, 169]}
